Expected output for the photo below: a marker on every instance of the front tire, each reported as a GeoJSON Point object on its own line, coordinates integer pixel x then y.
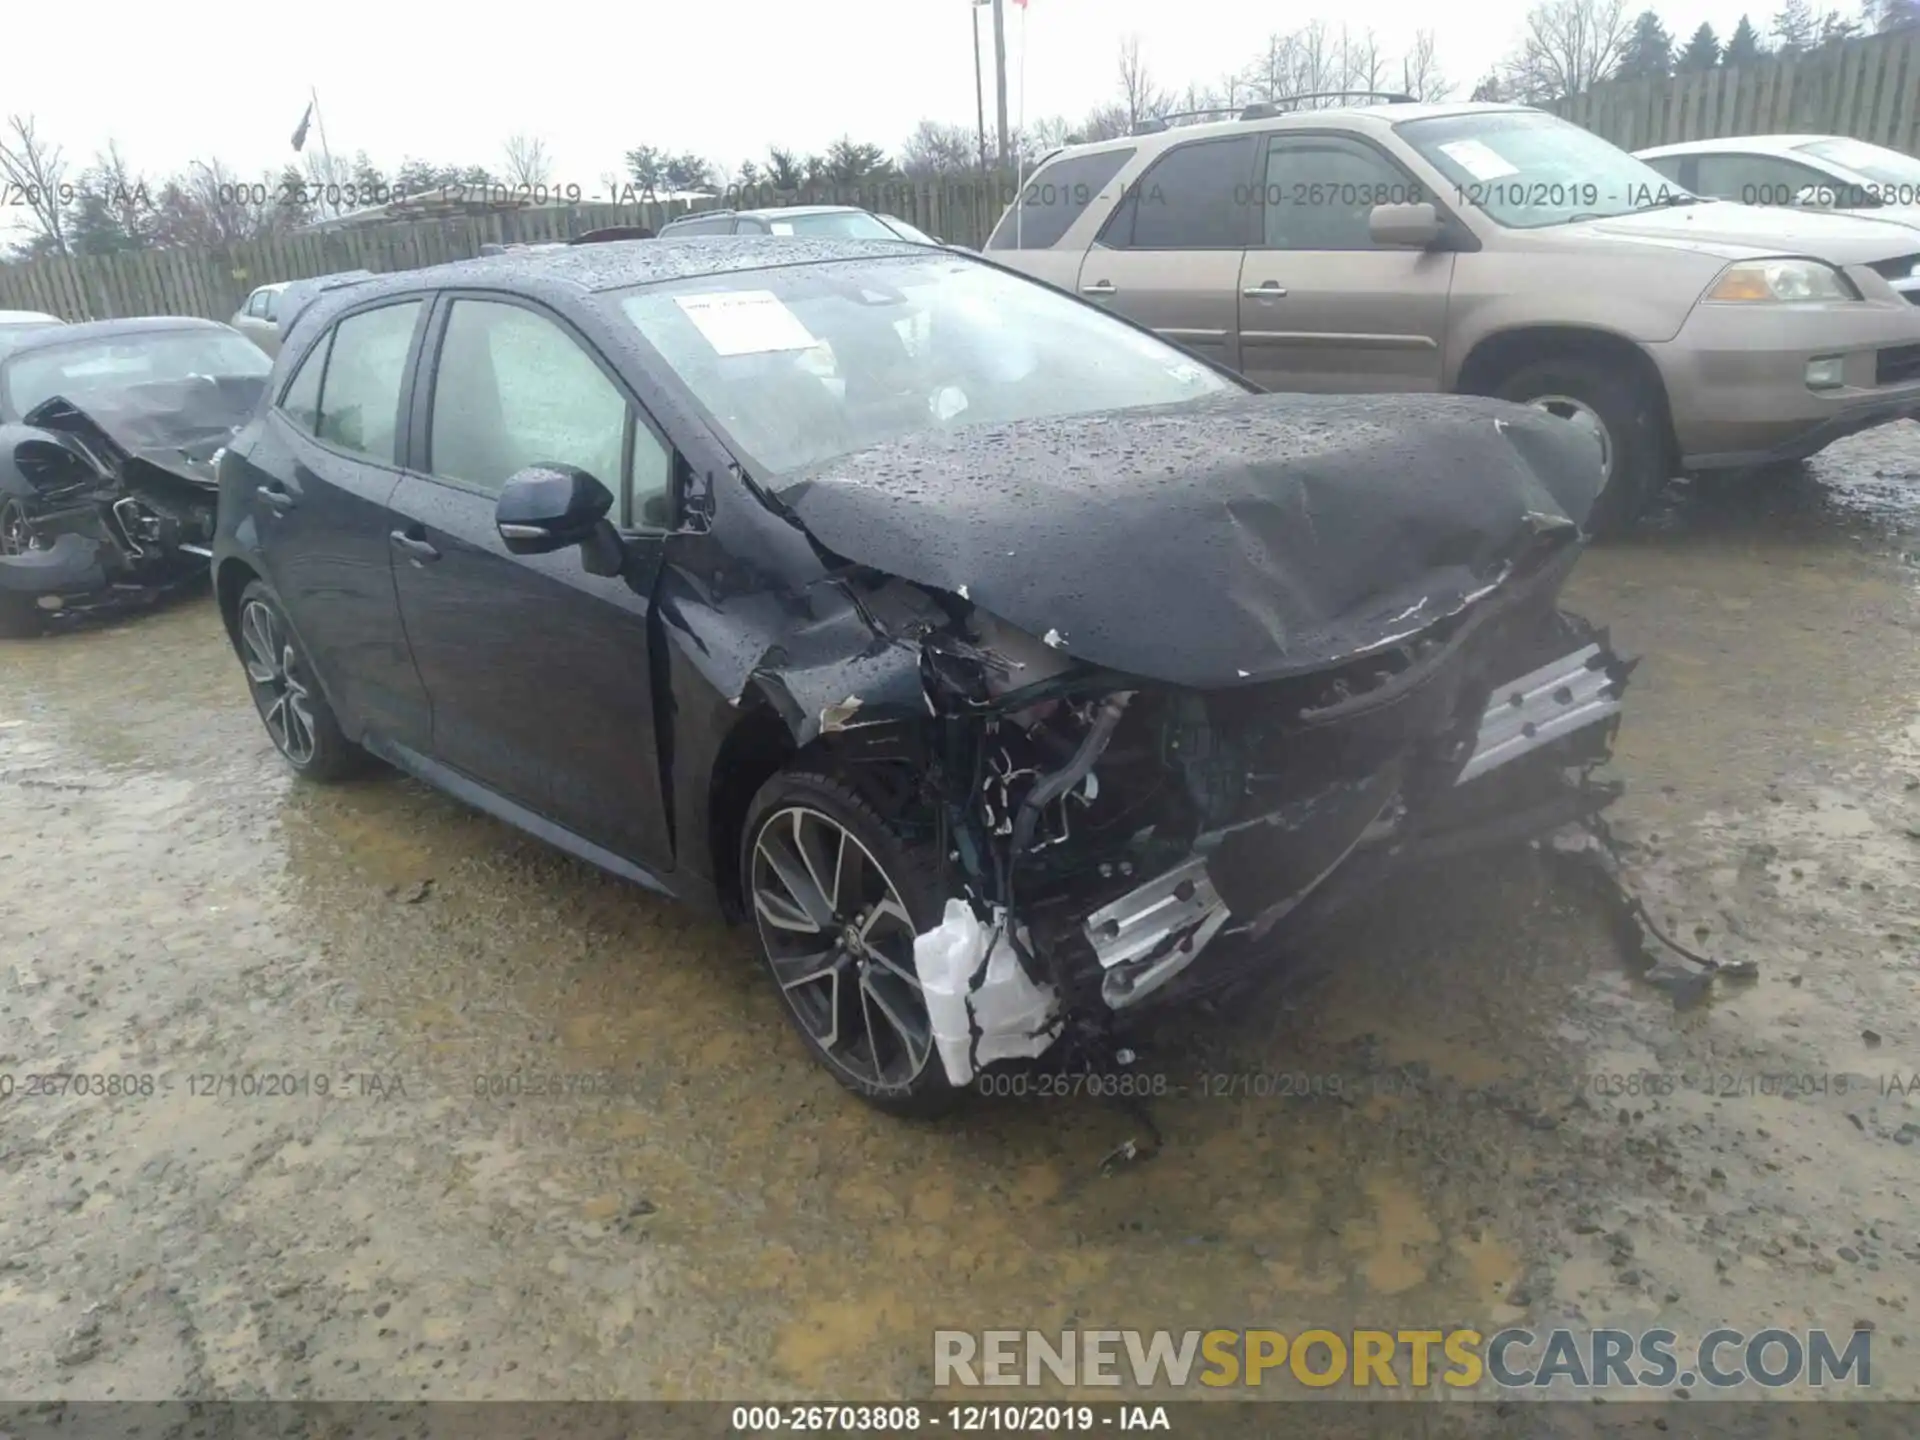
{"type": "Point", "coordinates": [299, 721]}
{"type": "Point", "coordinates": [1627, 415]}
{"type": "Point", "coordinates": [836, 896]}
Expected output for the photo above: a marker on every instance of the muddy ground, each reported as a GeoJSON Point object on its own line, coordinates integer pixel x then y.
{"type": "Point", "coordinates": [728, 1223]}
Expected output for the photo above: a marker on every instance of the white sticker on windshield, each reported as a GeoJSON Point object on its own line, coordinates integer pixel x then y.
{"type": "Point", "coordinates": [782, 227]}
{"type": "Point", "coordinates": [1478, 159]}
{"type": "Point", "coordinates": [746, 322]}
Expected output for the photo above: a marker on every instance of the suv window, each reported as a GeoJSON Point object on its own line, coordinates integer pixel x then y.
{"type": "Point", "coordinates": [1320, 190]}
{"type": "Point", "coordinates": [513, 389]}
{"type": "Point", "coordinates": [1677, 168]}
{"type": "Point", "coordinates": [257, 303]}
{"type": "Point", "coordinates": [1759, 179]}
{"type": "Point", "coordinates": [269, 304]}
{"type": "Point", "coordinates": [1198, 196]}
{"type": "Point", "coordinates": [723, 225]}
{"type": "Point", "coordinates": [360, 401]}
{"type": "Point", "coordinates": [300, 401]}
{"type": "Point", "coordinates": [1056, 196]}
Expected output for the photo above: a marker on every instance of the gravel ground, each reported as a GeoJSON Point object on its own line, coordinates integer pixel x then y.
{"type": "Point", "coordinates": [1425, 1131]}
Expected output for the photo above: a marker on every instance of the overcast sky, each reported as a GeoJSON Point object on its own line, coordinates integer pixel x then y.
{"type": "Point", "coordinates": [726, 78]}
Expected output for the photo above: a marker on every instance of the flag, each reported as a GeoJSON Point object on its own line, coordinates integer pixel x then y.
{"type": "Point", "coordinates": [1021, 3]}
{"type": "Point", "coordinates": [300, 135]}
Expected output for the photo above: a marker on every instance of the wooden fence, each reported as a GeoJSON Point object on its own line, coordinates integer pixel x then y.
{"type": "Point", "coordinates": [215, 284]}
{"type": "Point", "coordinates": [1867, 88]}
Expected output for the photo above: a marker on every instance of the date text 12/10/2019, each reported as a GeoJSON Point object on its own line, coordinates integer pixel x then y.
{"type": "Point", "coordinates": [1006, 1419]}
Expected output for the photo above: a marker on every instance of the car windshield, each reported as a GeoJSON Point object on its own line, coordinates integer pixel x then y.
{"type": "Point", "coordinates": [1876, 162]}
{"type": "Point", "coordinates": [13, 332]}
{"type": "Point", "coordinates": [1527, 170]}
{"type": "Point", "coordinates": [840, 224]}
{"type": "Point", "coordinates": [906, 231]}
{"type": "Point", "coordinates": [86, 367]}
{"type": "Point", "coordinates": [799, 364]}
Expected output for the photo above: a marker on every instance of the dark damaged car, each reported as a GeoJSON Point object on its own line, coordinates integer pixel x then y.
{"type": "Point", "coordinates": [1006, 668]}
{"type": "Point", "coordinates": [108, 432]}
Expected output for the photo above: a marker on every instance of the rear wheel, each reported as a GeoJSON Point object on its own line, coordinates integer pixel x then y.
{"type": "Point", "coordinates": [1623, 414]}
{"type": "Point", "coordinates": [18, 616]}
{"type": "Point", "coordinates": [837, 897]}
{"type": "Point", "coordinates": [298, 719]}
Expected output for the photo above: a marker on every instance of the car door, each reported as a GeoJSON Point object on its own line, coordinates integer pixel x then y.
{"type": "Point", "coordinates": [1323, 308]}
{"type": "Point", "coordinates": [321, 468]}
{"type": "Point", "coordinates": [1169, 257]}
{"type": "Point", "coordinates": [537, 671]}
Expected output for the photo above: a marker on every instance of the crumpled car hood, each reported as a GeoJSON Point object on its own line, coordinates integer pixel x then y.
{"type": "Point", "coordinates": [1216, 543]}
{"type": "Point", "coordinates": [176, 426]}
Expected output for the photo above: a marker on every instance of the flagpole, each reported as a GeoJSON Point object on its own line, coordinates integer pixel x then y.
{"type": "Point", "coordinates": [326, 152]}
{"type": "Point", "coordinates": [1019, 153]}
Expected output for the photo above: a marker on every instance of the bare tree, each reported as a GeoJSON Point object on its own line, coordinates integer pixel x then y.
{"type": "Point", "coordinates": [1363, 65]}
{"type": "Point", "coordinates": [1139, 95]}
{"type": "Point", "coordinates": [936, 149]}
{"type": "Point", "coordinates": [527, 161]}
{"type": "Point", "coordinates": [1420, 74]}
{"type": "Point", "coordinates": [34, 173]}
{"type": "Point", "coordinates": [1570, 46]}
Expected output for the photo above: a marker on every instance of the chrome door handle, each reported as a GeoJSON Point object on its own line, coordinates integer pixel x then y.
{"type": "Point", "coordinates": [1268, 291]}
{"type": "Point", "coordinates": [1099, 287]}
{"type": "Point", "coordinates": [418, 549]}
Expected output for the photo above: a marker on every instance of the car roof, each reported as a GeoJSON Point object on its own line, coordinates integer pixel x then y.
{"type": "Point", "coordinates": [1377, 117]}
{"type": "Point", "coordinates": [28, 317]}
{"type": "Point", "coordinates": [572, 270]}
{"type": "Point", "coordinates": [52, 337]}
{"type": "Point", "coordinates": [1762, 144]}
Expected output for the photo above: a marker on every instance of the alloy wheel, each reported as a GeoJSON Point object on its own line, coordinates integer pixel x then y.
{"type": "Point", "coordinates": [16, 535]}
{"type": "Point", "coordinates": [280, 689]}
{"type": "Point", "coordinates": [840, 943]}
{"type": "Point", "coordinates": [1583, 415]}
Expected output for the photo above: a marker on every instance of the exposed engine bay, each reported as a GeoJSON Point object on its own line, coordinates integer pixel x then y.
{"type": "Point", "coordinates": [113, 503]}
{"type": "Point", "coordinates": [1267, 684]}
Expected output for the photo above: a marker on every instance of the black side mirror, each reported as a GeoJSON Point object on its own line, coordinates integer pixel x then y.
{"type": "Point", "coordinates": [549, 507]}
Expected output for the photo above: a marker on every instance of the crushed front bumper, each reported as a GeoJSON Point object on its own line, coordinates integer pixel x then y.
{"type": "Point", "coordinates": [76, 575]}
{"type": "Point", "coordinates": [1563, 713]}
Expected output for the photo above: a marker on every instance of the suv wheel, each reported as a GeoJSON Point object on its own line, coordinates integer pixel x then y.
{"type": "Point", "coordinates": [298, 719]}
{"type": "Point", "coordinates": [837, 897]}
{"type": "Point", "coordinates": [1624, 416]}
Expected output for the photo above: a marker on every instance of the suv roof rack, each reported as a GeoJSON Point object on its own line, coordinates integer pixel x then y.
{"type": "Point", "coordinates": [1287, 104]}
{"type": "Point", "coordinates": [1267, 109]}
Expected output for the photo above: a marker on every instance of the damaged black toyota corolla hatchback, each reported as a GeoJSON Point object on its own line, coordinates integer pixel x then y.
{"type": "Point", "coordinates": [1004, 666]}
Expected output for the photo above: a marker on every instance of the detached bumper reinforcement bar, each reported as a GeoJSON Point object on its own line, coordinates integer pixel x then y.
{"type": "Point", "coordinates": [1559, 698]}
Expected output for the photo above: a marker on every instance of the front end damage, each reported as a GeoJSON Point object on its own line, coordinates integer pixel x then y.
{"type": "Point", "coordinates": [1152, 754]}
{"type": "Point", "coordinates": [1120, 842]}
{"type": "Point", "coordinates": [101, 509]}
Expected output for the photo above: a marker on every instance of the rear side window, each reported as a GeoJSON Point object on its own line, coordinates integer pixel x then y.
{"type": "Point", "coordinates": [721, 226]}
{"type": "Point", "coordinates": [360, 401]}
{"type": "Point", "coordinates": [1199, 196]}
{"type": "Point", "coordinates": [1056, 196]}
{"type": "Point", "coordinates": [1761, 180]}
{"type": "Point", "coordinates": [300, 402]}
{"type": "Point", "coordinates": [1677, 168]}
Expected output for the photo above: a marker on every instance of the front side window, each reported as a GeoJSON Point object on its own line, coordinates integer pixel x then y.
{"type": "Point", "coordinates": [1759, 179]}
{"type": "Point", "coordinates": [360, 399]}
{"type": "Point", "coordinates": [513, 389]}
{"type": "Point", "coordinates": [798, 364]}
{"type": "Point", "coordinates": [300, 402]}
{"type": "Point", "coordinates": [257, 304]}
{"type": "Point", "coordinates": [1525, 169]}
{"type": "Point", "coordinates": [116, 363]}
{"type": "Point", "coordinates": [1055, 196]}
{"type": "Point", "coordinates": [1197, 196]}
{"type": "Point", "coordinates": [1320, 190]}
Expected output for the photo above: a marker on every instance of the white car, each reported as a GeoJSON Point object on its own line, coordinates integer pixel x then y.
{"type": "Point", "coordinates": [1821, 172]}
{"type": "Point", "coordinates": [16, 325]}
{"type": "Point", "coordinates": [259, 318]}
